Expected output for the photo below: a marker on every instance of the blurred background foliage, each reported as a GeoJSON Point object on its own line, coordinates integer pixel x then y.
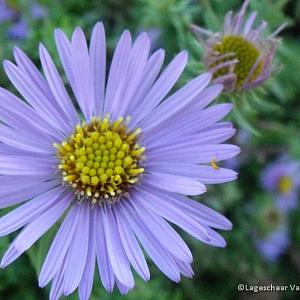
{"type": "Point", "coordinates": [267, 131]}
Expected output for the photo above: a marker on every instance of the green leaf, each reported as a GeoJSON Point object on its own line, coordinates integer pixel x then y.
{"type": "Point", "coordinates": [241, 120]}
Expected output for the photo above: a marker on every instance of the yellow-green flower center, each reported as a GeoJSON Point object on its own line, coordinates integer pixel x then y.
{"type": "Point", "coordinates": [242, 50]}
{"type": "Point", "coordinates": [285, 184]}
{"type": "Point", "coordinates": [101, 159]}
{"type": "Point", "coordinates": [273, 218]}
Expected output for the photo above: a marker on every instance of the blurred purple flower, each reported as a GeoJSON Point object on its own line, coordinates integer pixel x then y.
{"type": "Point", "coordinates": [240, 56]}
{"type": "Point", "coordinates": [274, 244]}
{"type": "Point", "coordinates": [154, 34]}
{"type": "Point", "coordinates": [52, 157]}
{"type": "Point", "coordinates": [5, 12]}
{"type": "Point", "coordinates": [282, 179]}
{"type": "Point", "coordinates": [232, 163]}
{"type": "Point", "coordinates": [243, 137]}
{"type": "Point", "coordinates": [18, 30]}
{"type": "Point", "coordinates": [272, 239]}
{"type": "Point", "coordinates": [38, 12]}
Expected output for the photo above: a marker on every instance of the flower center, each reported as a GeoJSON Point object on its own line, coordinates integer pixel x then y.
{"type": "Point", "coordinates": [100, 160]}
{"type": "Point", "coordinates": [273, 217]}
{"type": "Point", "coordinates": [242, 50]}
{"type": "Point", "coordinates": [285, 184]}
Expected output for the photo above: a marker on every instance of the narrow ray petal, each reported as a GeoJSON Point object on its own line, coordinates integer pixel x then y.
{"type": "Point", "coordinates": [157, 225]}
{"type": "Point", "coordinates": [59, 247]}
{"type": "Point", "coordinates": [157, 253]}
{"type": "Point", "coordinates": [131, 247]}
{"type": "Point", "coordinates": [97, 53]}
{"type": "Point", "coordinates": [117, 256]}
{"type": "Point", "coordinates": [78, 251]}
{"type": "Point", "coordinates": [161, 87]}
{"type": "Point", "coordinates": [176, 184]}
{"type": "Point", "coordinates": [105, 270]}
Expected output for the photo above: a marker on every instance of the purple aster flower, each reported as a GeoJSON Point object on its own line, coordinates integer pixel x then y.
{"type": "Point", "coordinates": [240, 56]}
{"type": "Point", "coordinates": [118, 171]}
{"type": "Point", "coordinates": [18, 30]}
{"type": "Point", "coordinates": [272, 236]}
{"type": "Point", "coordinates": [6, 13]}
{"type": "Point", "coordinates": [154, 34]}
{"type": "Point", "coordinates": [232, 163]}
{"type": "Point", "coordinates": [282, 178]}
{"type": "Point", "coordinates": [274, 244]}
{"type": "Point", "coordinates": [38, 12]}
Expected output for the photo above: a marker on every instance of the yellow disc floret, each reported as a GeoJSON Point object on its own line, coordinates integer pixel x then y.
{"type": "Point", "coordinates": [285, 184]}
{"type": "Point", "coordinates": [101, 159]}
{"type": "Point", "coordinates": [246, 54]}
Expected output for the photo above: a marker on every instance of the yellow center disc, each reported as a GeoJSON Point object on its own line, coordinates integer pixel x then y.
{"type": "Point", "coordinates": [100, 160]}
{"type": "Point", "coordinates": [242, 50]}
{"type": "Point", "coordinates": [285, 184]}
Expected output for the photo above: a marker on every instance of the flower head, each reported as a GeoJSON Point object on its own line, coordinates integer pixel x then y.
{"type": "Point", "coordinates": [282, 178]}
{"type": "Point", "coordinates": [271, 234]}
{"type": "Point", "coordinates": [240, 56]}
{"type": "Point", "coordinates": [5, 12]}
{"type": "Point", "coordinates": [38, 12]}
{"type": "Point", "coordinates": [18, 29]}
{"type": "Point", "coordinates": [117, 170]}
{"type": "Point", "coordinates": [274, 244]}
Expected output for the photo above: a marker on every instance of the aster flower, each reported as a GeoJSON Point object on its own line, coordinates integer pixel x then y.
{"type": "Point", "coordinates": [38, 12]}
{"type": "Point", "coordinates": [272, 236]}
{"type": "Point", "coordinates": [116, 172]}
{"type": "Point", "coordinates": [5, 12]}
{"type": "Point", "coordinates": [282, 179]}
{"type": "Point", "coordinates": [240, 56]}
{"type": "Point", "coordinates": [18, 29]}
{"type": "Point", "coordinates": [154, 34]}
{"type": "Point", "coordinates": [232, 163]}
{"type": "Point", "coordinates": [274, 244]}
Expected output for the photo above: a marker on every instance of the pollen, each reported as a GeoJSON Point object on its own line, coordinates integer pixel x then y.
{"type": "Point", "coordinates": [285, 184]}
{"type": "Point", "coordinates": [214, 164]}
{"type": "Point", "coordinates": [101, 159]}
{"type": "Point", "coordinates": [244, 52]}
